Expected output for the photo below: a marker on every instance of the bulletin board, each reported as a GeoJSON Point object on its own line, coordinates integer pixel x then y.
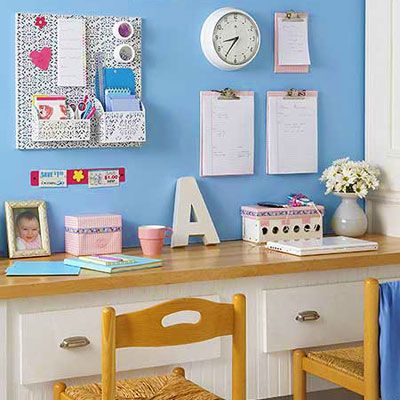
{"type": "Point", "coordinates": [123, 129]}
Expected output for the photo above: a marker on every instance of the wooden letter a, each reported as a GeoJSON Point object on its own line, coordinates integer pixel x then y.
{"type": "Point", "coordinates": [191, 217]}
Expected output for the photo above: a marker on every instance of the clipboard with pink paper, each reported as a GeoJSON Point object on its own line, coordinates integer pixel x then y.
{"type": "Point", "coordinates": [291, 51]}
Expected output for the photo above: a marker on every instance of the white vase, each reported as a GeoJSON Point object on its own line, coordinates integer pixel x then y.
{"type": "Point", "coordinates": [349, 218]}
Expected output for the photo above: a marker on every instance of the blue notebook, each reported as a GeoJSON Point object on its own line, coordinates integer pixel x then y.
{"type": "Point", "coordinates": [41, 268]}
{"type": "Point", "coordinates": [122, 102]}
{"type": "Point", "coordinates": [115, 80]}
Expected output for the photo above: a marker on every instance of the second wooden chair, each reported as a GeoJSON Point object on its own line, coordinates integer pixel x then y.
{"type": "Point", "coordinates": [353, 368]}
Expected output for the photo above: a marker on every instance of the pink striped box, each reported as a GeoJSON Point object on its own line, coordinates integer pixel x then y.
{"type": "Point", "coordinates": [264, 224]}
{"type": "Point", "coordinates": [93, 234]}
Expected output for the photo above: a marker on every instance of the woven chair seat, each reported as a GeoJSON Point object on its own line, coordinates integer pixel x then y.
{"type": "Point", "coordinates": [169, 387]}
{"type": "Point", "coordinates": [348, 360]}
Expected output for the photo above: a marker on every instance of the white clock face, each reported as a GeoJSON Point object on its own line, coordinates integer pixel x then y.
{"type": "Point", "coordinates": [236, 38]}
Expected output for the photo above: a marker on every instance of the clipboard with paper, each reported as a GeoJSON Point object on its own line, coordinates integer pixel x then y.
{"type": "Point", "coordinates": [292, 132]}
{"type": "Point", "coordinates": [292, 54]}
{"type": "Point", "coordinates": [226, 133]}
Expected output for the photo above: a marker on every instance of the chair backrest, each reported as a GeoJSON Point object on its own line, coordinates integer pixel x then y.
{"type": "Point", "coordinates": [145, 328]}
{"type": "Point", "coordinates": [371, 338]}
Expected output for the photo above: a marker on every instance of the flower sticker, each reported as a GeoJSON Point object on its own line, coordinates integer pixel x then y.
{"type": "Point", "coordinates": [40, 22]}
{"type": "Point", "coordinates": [78, 175]}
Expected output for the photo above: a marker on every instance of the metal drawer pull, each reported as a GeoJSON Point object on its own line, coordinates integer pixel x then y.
{"type": "Point", "coordinates": [305, 316]}
{"type": "Point", "coordinates": [74, 341]}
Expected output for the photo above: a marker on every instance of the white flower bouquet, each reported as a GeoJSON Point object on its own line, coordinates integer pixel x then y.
{"type": "Point", "coordinates": [346, 176]}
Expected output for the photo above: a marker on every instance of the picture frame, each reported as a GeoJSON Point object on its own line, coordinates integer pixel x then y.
{"type": "Point", "coordinates": [27, 229]}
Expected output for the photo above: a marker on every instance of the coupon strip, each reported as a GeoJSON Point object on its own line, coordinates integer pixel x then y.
{"type": "Point", "coordinates": [96, 177]}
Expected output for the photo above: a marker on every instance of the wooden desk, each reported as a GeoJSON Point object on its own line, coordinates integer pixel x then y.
{"type": "Point", "coordinates": [229, 260]}
{"type": "Point", "coordinates": [37, 313]}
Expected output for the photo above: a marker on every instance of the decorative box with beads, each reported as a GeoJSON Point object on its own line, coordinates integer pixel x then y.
{"type": "Point", "coordinates": [261, 224]}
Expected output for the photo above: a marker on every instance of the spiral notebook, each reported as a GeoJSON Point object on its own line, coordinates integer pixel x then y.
{"type": "Point", "coordinates": [119, 80]}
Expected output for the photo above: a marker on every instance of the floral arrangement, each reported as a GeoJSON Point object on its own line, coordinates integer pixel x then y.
{"type": "Point", "coordinates": [346, 176]}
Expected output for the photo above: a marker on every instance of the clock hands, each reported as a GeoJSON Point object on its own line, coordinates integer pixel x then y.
{"type": "Point", "coordinates": [234, 41]}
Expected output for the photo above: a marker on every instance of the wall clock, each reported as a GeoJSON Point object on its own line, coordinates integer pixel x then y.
{"type": "Point", "coordinates": [230, 38]}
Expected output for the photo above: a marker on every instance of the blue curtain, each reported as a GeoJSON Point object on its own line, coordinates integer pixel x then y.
{"type": "Point", "coordinates": [389, 340]}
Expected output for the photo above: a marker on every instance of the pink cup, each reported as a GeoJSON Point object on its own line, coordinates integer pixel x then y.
{"type": "Point", "coordinates": [152, 238]}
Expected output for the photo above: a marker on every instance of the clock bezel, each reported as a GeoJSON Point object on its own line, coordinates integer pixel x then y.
{"type": "Point", "coordinates": [207, 43]}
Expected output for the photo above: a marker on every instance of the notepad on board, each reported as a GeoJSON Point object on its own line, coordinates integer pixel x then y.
{"type": "Point", "coordinates": [41, 268]}
{"type": "Point", "coordinates": [71, 58]}
{"type": "Point", "coordinates": [292, 133]}
{"type": "Point", "coordinates": [292, 54]}
{"type": "Point", "coordinates": [226, 134]}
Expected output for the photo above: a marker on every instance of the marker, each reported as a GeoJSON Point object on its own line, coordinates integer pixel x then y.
{"type": "Point", "coordinates": [91, 113]}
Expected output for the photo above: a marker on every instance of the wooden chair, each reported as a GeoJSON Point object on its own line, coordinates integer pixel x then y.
{"type": "Point", "coordinates": [354, 368]}
{"type": "Point", "coordinates": [144, 329]}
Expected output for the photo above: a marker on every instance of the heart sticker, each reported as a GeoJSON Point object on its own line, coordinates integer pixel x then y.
{"type": "Point", "coordinates": [41, 58]}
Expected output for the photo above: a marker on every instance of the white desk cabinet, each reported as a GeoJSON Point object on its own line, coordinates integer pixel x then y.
{"type": "Point", "coordinates": [31, 329]}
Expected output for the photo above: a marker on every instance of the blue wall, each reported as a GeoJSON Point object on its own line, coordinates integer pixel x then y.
{"type": "Point", "coordinates": [174, 71]}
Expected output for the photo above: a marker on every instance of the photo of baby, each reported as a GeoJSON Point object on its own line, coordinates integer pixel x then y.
{"type": "Point", "coordinates": [27, 229]}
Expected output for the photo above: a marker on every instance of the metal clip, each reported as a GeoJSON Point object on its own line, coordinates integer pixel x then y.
{"type": "Point", "coordinates": [227, 94]}
{"type": "Point", "coordinates": [74, 341]}
{"type": "Point", "coordinates": [294, 16]}
{"type": "Point", "coordinates": [305, 316]}
{"type": "Point", "coordinates": [296, 94]}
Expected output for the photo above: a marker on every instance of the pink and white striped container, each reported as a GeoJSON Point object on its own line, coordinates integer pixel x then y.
{"type": "Point", "coordinates": [93, 234]}
{"type": "Point", "coordinates": [263, 224]}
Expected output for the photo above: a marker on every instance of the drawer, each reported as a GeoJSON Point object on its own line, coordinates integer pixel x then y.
{"type": "Point", "coordinates": [340, 307]}
{"type": "Point", "coordinates": [42, 359]}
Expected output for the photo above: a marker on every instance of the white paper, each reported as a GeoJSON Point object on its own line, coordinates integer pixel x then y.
{"type": "Point", "coordinates": [293, 42]}
{"type": "Point", "coordinates": [52, 178]}
{"type": "Point", "coordinates": [103, 178]}
{"type": "Point", "coordinates": [292, 135]}
{"type": "Point", "coordinates": [71, 55]}
{"type": "Point", "coordinates": [227, 135]}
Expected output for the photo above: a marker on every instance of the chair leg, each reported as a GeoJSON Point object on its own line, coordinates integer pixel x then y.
{"type": "Point", "coordinates": [179, 371]}
{"type": "Point", "coordinates": [371, 393]}
{"type": "Point", "coordinates": [58, 388]}
{"type": "Point", "coordinates": [299, 376]}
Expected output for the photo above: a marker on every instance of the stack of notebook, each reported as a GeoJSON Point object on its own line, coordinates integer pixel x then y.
{"type": "Point", "coordinates": [113, 263]}
{"type": "Point", "coordinates": [115, 88]}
